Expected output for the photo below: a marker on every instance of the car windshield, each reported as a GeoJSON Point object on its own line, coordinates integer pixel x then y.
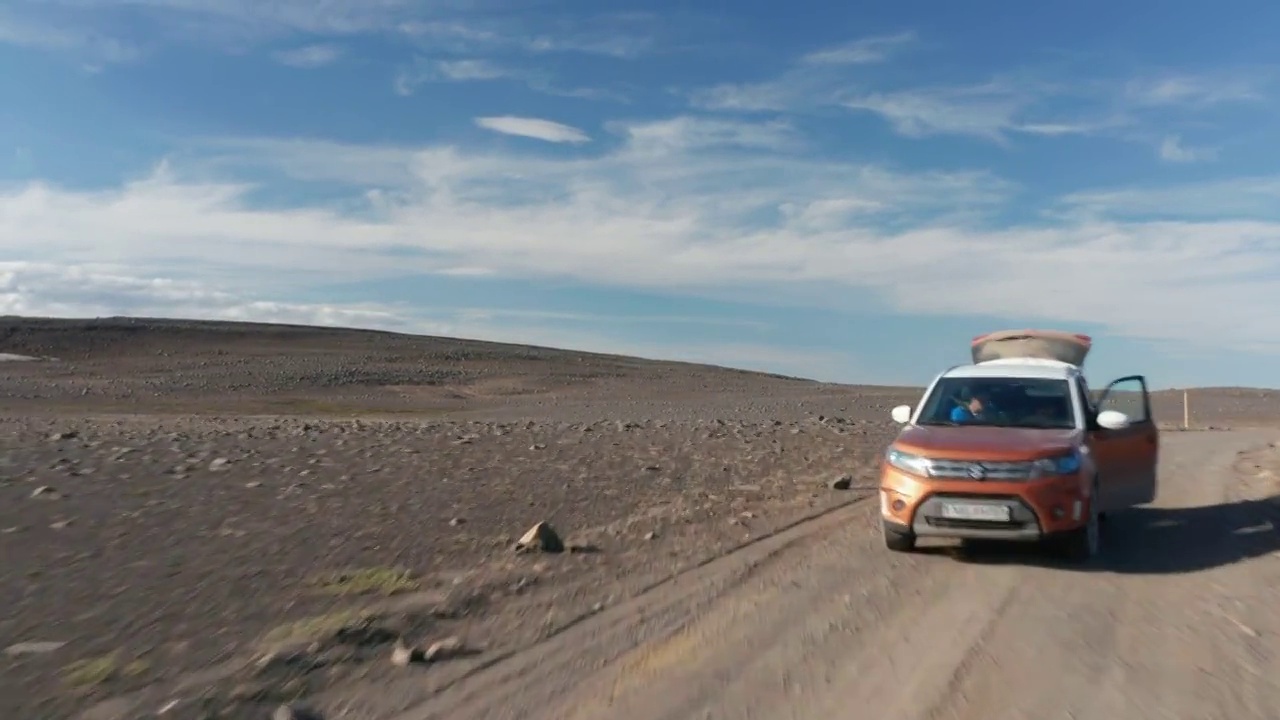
{"type": "Point", "coordinates": [1003, 402]}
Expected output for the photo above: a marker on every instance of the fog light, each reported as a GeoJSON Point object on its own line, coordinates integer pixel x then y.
{"type": "Point", "coordinates": [1059, 512]}
{"type": "Point", "coordinates": [899, 505]}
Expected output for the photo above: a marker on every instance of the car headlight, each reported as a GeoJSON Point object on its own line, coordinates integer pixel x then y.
{"type": "Point", "coordinates": [906, 462]}
{"type": "Point", "coordinates": [1068, 464]}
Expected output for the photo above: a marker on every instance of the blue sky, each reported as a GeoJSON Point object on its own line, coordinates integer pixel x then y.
{"type": "Point", "coordinates": [842, 191]}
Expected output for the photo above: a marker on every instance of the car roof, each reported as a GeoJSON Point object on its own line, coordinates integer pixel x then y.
{"type": "Point", "coordinates": [1016, 368]}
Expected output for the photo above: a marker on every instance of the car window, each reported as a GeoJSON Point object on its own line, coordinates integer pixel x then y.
{"type": "Point", "coordinates": [1127, 397]}
{"type": "Point", "coordinates": [1005, 402]}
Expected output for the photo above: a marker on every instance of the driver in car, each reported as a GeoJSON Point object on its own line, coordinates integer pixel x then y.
{"type": "Point", "coordinates": [977, 407]}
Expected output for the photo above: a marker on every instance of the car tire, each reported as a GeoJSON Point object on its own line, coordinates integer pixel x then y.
{"type": "Point", "coordinates": [1085, 542]}
{"type": "Point", "coordinates": [899, 541]}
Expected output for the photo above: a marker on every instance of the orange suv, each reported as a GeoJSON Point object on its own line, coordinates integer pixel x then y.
{"type": "Point", "coordinates": [1014, 447]}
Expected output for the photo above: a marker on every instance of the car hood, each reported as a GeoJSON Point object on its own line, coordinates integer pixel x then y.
{"type": "Point", "coordinates": [973, 442]}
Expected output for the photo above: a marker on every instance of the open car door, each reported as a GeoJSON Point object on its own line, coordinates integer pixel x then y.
{"type": "Point", "coordinates": [1040, 344]}
{"type": "Point", "coordinates": [1127, 457]}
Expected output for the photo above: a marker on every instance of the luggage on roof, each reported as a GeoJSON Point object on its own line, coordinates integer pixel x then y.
{"type": "Point", "coordinates": [1071, 348]}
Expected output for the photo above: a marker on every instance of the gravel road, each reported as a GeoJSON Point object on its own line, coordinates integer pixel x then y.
{"type": "Point", "coordinates": [1175, 621]}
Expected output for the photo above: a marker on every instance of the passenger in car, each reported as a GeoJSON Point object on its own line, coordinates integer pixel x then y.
{"type": "Point", "coordinates": [973, 405]}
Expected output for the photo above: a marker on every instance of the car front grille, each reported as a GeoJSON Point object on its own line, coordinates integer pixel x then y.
{"type": "Point", "coordinates": [980, 470]}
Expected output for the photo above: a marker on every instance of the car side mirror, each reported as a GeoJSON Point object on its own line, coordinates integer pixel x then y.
{"type": "Point", "coordinates": [901, 414]}
{"type": "Point", "coordinates": [1113, 420]}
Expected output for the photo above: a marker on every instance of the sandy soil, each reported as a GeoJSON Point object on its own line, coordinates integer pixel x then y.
{"type": "Point", "coordinates": [214, 519]}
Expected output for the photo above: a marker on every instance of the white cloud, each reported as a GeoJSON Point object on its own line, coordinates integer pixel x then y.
{"type": "Point", "coordinates": [683, 133]}
{"type": "Point", "coordinates": [1172, 150]}
{"type": "Point", "coordinates": [776, 95]}
{"type": "Point", "coordinates": [56, 290]}
{"type": "Point", "coordinates": [617, 46]}
{"type": "Point", "coordinates": [1024, 102]}
{"type": "Point", "coordinates": [1195, 90]}
{"type": "Point", "coordinates": [237, 26]}
{"type": "Point", "coordinates": [989, 110]}
{"type": "Point", "coordinates": [669, 208]}
{"type": "Point", "coordinates": [616, 35]}
{"type": "Point", "coordinates": [535, 128]}
{"type": "Point", "coordinates": [309, 56]}
{"type": "Point", "coordinates": [1245, 198]}
{"type": "Point", "coordinates": [863, 51]}
{"type": "Point", "coordinates": [1023, 105]}
{"type": "Point", "coordinates": [422, 71]}
{"type": "Point", "coordinates": [815, 79]}
{"type": "Point", "coordinates": [256, 19]}
{"type": "Point", "coordinates": [985, 111]}
{"type": "Point", "coordinates": [91, 46]}
{"type": "Point", "coordinates": [462, 70]}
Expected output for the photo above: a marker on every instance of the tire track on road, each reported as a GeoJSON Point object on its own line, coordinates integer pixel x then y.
{"type": "Point", "coordinates": [523, 683]}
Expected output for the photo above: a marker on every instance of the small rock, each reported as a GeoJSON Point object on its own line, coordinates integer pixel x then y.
{"type": "Point", "coordinates": [218, 463]}
{"type": "Point", "coordinates": [59, 525]}
{"type": "Point", "coordinates": [455, 522]}
{"type": "Point", "coordinates": [45, 492]}
{"type": "Point", "coordinates": [37, 647]}
{"type": "Point", "coordinates": [294, 712]}
{"type": "Point", "coordinates": [443, 649]}
{"type": "Point", "coordinates": [652, 468]}
{"type": "Point", "coordinates": [540, 538]}
{"type": "Point", "coordinates": [301, 655]}
{"type": "Point", "coordinates": [69, 435]}
{"type": "Point", "coordinates": [402, 655]}
{"type": "Point", "coordinates": [537, 446]}
{"type": "Point", "coordinates": [253, 484]}
{"type": "Point", "coordinates": [650, 535]}
{"type": "Point", "coordinates": [844, 482]}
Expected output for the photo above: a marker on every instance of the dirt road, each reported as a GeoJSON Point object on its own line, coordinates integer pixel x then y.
{"type": "Point", "coordinates": [819, 622]}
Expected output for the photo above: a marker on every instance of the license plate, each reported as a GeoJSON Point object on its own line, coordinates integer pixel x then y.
{"type": "Point", "coordinates": [974, 511]}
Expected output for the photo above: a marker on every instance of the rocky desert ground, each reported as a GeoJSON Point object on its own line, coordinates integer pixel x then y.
{"type": "Point", "coordinates": [220, 520]}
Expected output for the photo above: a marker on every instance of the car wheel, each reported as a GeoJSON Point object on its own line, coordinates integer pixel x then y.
{"type": "Point", "coordinates": [1084, 543]}
{"type": "Point", "coordinates": [899, 541]}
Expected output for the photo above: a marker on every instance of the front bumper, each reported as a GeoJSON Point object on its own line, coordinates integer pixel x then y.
{"type": "Point", "coordinates": [1023, 523]}
{"type": "Point", "coordinates": [1037, 508]}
